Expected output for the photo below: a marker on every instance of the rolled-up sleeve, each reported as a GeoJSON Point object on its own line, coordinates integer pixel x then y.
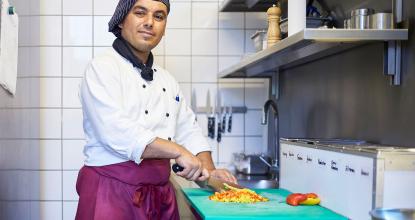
{"type": "Point", "coordinates": [101, 98]}
{"type": "Point", "coordinates": [188, 132]}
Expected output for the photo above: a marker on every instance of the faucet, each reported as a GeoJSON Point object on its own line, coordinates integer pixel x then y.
{"type": "Point", "coordinates": [273, 134]}
{"type": "Point", "coordinates": [273, 104]}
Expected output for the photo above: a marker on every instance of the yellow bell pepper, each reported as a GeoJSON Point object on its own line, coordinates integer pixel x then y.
{"type": "Point", "coordinates": [310, 201]}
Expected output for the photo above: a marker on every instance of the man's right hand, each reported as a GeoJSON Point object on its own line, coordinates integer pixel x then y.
{"type": "Point", "coordinates": [193, 169]}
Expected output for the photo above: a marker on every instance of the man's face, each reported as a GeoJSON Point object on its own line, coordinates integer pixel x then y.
{"type": "Point", "coordinates": [144, 25]}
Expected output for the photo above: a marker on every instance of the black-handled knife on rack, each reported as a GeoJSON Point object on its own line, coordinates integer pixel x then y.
{"type": "Point", "coordinates": [230, 120]}
{"type": "Point", "coordinates": [220, 112]}
{"type": "Point", "coordinates": [211, 117]}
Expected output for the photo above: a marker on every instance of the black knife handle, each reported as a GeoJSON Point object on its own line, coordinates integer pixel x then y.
{"type": "Point", "coordinates": [177, 168]}
{"type": "Point", "coordinates": [223, 124]}
{"type": "Point", "coordinates": [230, 124]}
{"type": "Point", "coordinates": [219, 136]}
{"type": "Point", "coordinates": [211, 127]}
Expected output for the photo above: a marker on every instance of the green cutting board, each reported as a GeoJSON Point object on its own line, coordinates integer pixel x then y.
{"type": "Point", "coordinates": [276, 208]}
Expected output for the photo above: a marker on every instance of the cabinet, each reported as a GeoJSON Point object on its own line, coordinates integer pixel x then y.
{"type": "Point", "coordinates": [351, 180]}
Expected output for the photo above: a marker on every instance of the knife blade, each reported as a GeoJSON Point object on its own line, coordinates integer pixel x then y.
{"type": "Point", "coordinates": [210, 116]}
{"type": "Point", "coordinates": [194, 104]}
{"type": "Point", "coordinates": [219, 106]}
{"type": "Point", "coordinates": [213, 183]}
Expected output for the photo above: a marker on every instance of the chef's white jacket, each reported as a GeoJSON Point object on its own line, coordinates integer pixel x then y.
{"type": "Point", "coordinates": [123, 113]}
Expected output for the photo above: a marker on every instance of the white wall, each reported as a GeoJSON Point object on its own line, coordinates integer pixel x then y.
{"type": "Point", "coordinates": [41, 137]}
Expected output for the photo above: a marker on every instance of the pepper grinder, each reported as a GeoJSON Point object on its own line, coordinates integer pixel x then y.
{"type": "Point", "coordinates": [274, 31]}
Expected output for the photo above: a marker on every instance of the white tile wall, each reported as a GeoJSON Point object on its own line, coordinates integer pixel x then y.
{"type": "Point", "coordinates": [204, 69]}
{"type": "Point", "coordinates": [71, 92]}
{"type": "Point", "coordinates": [77, 7]}
{"type": "Point", "coordinates": [205, 15]}
{"type": "Point", "coordinates": [177, 42]}
{"type": "Point", "coordinates": [179, 67]}
{"type": "Point", "coordinates": [101, 35]}
{"type": "Point", "coordinates": [204, 42]}
{"type": "Point", "coordinates": [104, 7]}
{"type": "Point", "coordinates": [231, 20]}
{"type": "Point", "coordinates": [75, 60]}
{"type": "Point", "coordinates": [41, 135]}
{"type": "Point", "coordinates": [77, 31]}
{"type": "Point", "coordinates": [180, 15]}
{"type": "Point", "coordinates": [50, 153]}
{"type": "Point", "coordinates": [49, 63]}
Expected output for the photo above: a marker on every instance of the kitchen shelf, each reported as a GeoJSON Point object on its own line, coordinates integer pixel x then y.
{"type": "Point", "coordinates": [245, 5]}
{"type": "Point", "coordinates": [305, 46]}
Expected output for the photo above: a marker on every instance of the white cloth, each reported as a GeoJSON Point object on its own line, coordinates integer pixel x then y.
{"type": "Point", "coordinates": [8, 48]}
{"type": "Point", "coordinates": [123, 113]}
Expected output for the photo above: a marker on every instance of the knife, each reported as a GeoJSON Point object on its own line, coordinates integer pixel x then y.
{"type": "Point", "coordinates": [211, 117]}
{"type": "Point", "coordinates": [213, 183]}
{"type": "Point", "coordinates": [219, 106]}
{"type": "Point", "coordinates": [230, 120]}
{"type": "Point", "coordinates": [194, 104]}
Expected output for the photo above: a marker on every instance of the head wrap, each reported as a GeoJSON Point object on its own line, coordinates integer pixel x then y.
{"type": "Point", "coordinates": [123, 7]}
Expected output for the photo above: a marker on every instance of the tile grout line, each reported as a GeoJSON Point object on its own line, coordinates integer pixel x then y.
{"type": "Point", "coordinates": [61, 138]}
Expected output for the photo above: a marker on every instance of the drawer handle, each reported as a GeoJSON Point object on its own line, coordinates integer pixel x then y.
{"type": "Point", "coordinates": [364, 173]}
{"type": "Point", "coordinates": [299, 157]}
{"type": "Point", "coordinates": [321, 162]}
{"type": "Point", "coordinates": [349, 169]}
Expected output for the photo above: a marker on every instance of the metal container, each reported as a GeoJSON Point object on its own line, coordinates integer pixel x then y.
{"type": "Point", "coordinates": [360, 18]}
{"type": "Point", "coordinates": [258, 38]}
{"type": "Point", "coordinates": [381, 21]}
{"type": "Point", "coordinates": [393, 214]}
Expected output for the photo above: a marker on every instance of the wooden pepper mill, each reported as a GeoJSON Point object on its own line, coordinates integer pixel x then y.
{"type": "Point", "coordinates": [274, 31]}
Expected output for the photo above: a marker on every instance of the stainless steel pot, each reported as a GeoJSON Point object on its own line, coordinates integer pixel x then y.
{"type": "Point", "coordinates": [393, 214]}
{"type": "Point", "coordinates": [360, 18]}
{"type": "Point", "coordinates": [381, 21]}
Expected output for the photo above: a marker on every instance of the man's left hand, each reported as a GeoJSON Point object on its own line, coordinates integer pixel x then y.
{"type": "Point", "coordinates": [223, 174]}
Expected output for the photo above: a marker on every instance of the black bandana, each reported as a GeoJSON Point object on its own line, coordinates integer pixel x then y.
{"type": "Point", "coordinates": [121, 46]}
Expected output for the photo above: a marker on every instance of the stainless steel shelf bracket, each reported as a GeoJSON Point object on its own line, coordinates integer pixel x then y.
{"type": "Point", "coordinates": [392, 54]}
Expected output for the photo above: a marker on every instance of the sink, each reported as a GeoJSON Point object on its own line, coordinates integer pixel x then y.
{"type": "Point", "coordinates": [258, 184]}
{"type": "Point", "coordinates": [257, 181]}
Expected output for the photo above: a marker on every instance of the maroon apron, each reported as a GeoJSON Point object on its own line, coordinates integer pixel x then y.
{"type": "Point", "coordinates": [127, 191]}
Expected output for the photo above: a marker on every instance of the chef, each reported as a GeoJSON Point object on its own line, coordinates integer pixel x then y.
{"type": "Point", "coordinates": [135, 120]}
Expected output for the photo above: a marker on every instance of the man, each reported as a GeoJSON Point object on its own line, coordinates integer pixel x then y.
{"type": "Point", "coordinates": [135, 121]}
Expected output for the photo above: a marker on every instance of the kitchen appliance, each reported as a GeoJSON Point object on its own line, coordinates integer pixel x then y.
{"type": "Point", "coordinates": [253, 164]}
{"type": "Point", "coordinates": [351, 177]}
{"type": "Point", "coordinates": [216, 185]}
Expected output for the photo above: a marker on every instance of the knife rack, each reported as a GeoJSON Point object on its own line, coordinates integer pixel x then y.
{"type": "Point", "coordinates": [237, 109]}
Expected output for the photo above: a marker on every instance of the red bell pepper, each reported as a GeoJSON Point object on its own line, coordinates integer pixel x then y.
{"type": "Point", "coordinates": [295, 199]}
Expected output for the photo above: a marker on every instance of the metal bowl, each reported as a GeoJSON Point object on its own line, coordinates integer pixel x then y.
{"type": "Point", "coordinates": [393, 214]}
